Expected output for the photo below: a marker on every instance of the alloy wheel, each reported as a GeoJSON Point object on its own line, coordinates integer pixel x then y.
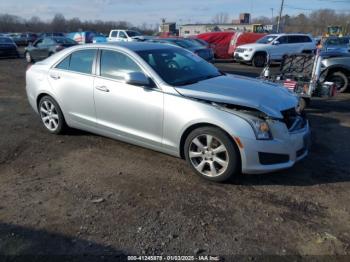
{"type": "Point", "coordinates": [208, 155]}
{"type": "Point", "coordinates": [49, 115]}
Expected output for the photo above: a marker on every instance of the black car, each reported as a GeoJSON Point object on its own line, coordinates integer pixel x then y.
{"type": "Point", "coordinates": [45, 47]}
{"type": "Point", "coordinates": [24, 39]}
{"type": "Point", "coordinates": [51, 34]}
{"type": "Point", "coordinates": [202, 51]}
{"type": "Point", "coordinates": [8, 48]}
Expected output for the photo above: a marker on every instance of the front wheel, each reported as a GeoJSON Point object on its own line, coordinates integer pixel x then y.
{"type": "Point", "coordinates": [28, 57]}
{"type": "Point", "coordinates": [212, 154]}
{"type": "Point", "coordinates": [340, 80]}
{"type": "Point", "coordinates": [259, 60]}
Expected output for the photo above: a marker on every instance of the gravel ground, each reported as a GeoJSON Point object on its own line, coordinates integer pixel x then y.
{"type": "Point", "coordinates": [81, 194]}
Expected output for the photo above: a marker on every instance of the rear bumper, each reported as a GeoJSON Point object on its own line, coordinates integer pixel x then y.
{"type": "Point", "coordinates": [263, 156]}
{"type": "Point", "coordinates": [9, 53]}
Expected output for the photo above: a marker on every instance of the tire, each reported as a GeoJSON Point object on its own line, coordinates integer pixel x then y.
{"type": "Point", "coordinates": [259, 60]}
{"type": "Point", "coordinates": [51, 115]}
{"type": "Point", "coordinates": [340, 79]}
{"type": "Point", "coordinates": [28, 57]}
{"type": "Point", "coordinates": [217, 162]}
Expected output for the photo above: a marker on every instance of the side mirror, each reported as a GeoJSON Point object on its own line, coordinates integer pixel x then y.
{"type": "Point", "coordinates": [137, 79]}
{"type": "Point", "coordinates": [276, 42]}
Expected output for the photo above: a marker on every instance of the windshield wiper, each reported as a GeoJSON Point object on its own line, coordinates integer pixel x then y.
{"type": "Point", "coordinates": [196, 80]}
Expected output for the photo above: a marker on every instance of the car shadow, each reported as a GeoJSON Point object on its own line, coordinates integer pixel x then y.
{"type": "Point", "coordinates": [19, 243]}
{"type": "Point", "coordinates": [328, 159]}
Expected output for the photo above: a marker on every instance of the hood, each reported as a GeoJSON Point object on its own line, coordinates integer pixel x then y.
{"type": "Point", "coordinates": [253, 45]}
{"type": "Point", "coordinates": [266, 97]}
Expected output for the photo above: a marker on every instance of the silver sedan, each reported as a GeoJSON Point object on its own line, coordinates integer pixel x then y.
{"type": "Point", "coordinates": [170, 100]}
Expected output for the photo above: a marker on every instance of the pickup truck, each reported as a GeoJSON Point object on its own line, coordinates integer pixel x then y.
{"type": "Point", "coordinates": [117, 35]}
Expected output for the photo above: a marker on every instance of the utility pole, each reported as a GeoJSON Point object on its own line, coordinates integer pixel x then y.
{"type": "Point", "coordinates": [280, 17]}
{"type": "Point", "coordinates": [272, 15]}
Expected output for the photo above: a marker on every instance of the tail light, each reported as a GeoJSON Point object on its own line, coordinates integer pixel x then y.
{"type": "Point", "coordinates": [59, 47]}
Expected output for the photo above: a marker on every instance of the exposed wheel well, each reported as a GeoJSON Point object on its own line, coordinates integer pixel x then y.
{"type": "Point", "coordinates": [338, 69]}
{"type": "Point", "coordinates": [195, 126]}
{"type": "Point", "coordinates": [39, 98]}
{"type": "Point", "coordinates": [260, 53]}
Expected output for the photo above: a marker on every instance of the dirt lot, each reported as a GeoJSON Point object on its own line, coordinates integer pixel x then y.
{"type": "Point", "coordinates": [85, 194]}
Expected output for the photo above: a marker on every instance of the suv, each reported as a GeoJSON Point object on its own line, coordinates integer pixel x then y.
{"type": "Point", "coordinates": [276, 46]}
{"type": "Point", "coordinates": [124, 35]}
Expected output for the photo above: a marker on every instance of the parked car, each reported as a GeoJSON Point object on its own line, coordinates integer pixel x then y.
{"type": "Point", "coordinates": [204, 52]}
{"type": "Point", "coordinates": [339, 44]}
{"type": "Point", "coordinates": [200, 41]}
{"type": "Point", "coordinates": [276, 45]}
{"type": "Point", "coordinates": [167, 99]}
{"type": "Point", "coordinates": [8, 48]}
{"type": "Point", "coordinates": [45, 47]}
{"type": "Point", "coordinates": [51, 34]}
{"type": "Point", "coordinates": [24, 39]}
{"type": "Point", "coordinates": [87, 37]}
{"type": "Point", "coordinates": [335, 67]}
{"type": "Point", "coordinates": [117, 35]}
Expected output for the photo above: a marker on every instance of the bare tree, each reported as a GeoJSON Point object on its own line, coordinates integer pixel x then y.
{"type": "Point", "coordinates": [221, 18]}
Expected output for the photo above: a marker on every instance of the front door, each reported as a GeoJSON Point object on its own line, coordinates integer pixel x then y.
{"type": "Point", "coordinates": [132, 112]}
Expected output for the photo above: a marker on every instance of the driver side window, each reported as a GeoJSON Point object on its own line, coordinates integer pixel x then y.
{"type": "Point", "coordinates": [122, 34]}
{"type": "Point", "coordinates": [38, 43]}
{"type": "Point", "coordinates": [115, 64]}
{"type": "Point", "coordinates": [283, 40]}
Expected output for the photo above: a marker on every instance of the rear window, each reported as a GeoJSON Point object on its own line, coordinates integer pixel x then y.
{"type": "Point", "coordinates": [79, 61]}
{"type": "Point", "coordinates": [5, 40]}
{"type": "Point", "coordinates": [62, 40]}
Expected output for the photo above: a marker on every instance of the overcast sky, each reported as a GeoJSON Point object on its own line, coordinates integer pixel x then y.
{"type": "Point", "coordinates": [151, 11]}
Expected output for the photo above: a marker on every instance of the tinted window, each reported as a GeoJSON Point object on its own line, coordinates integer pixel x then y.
{"type": "Point", "coordinates": [115, 65]}
{"type": "Point", "coordinates": [283, 40]}
{"type": "Point", "coordinates": [133, 33]}
{"type": "Point", "coordinates": [64, 64]}
{"type": "Point", "coordinates": [114, 34]}
{"type": "Point", "coordinates": [81, 61]}
{"type": "Point", "coordinates": [38, 43]}
{"type": "Point", "coordinates": [5, 40]}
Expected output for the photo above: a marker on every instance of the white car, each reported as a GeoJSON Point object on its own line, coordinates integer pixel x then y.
{"type": "Point", "coordinates": [117, 35]}
{"type": "Point", "coordinates": [276, 45]}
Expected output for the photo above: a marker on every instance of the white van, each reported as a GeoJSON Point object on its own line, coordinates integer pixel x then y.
{"type": "Point", "coordinates": [117, 35]}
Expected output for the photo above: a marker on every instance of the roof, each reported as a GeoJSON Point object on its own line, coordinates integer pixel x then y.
{"type": "Point", "coordinates": [133, 46]}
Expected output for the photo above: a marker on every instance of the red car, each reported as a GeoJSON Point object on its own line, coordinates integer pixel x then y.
{"type": "Point", "coordinates": [225, 43]}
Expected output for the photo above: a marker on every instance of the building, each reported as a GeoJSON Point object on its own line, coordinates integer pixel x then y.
{"type": "Point", "coordinates": [244, 18]}
{"type": "Point", "coordinates": [167, 28]}
{"type": "Point", "coordinates": [195, 29]}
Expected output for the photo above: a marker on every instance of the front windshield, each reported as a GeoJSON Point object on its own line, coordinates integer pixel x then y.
{"type": "Point", "coordinates": [5, 40]}
{"type": "Point", "coordinates": [133, 33]}
{"type": "Point", "coordinates": [267, 39]}
{"type": "Point", "coordinates": [179, 67]}
{"type": "Point", "coordinates": [338, 41]}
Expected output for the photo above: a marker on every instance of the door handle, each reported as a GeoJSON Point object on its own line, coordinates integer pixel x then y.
{"type": "Point", "coordinates": [56, 77]}
{"type": "Point", "coordinates": [102, 88]}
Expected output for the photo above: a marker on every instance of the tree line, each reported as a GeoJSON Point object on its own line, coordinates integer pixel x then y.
{"type": "Point", "coordinates": [12, 23]}
{"type": "Point", "coordinates": [315, 22]}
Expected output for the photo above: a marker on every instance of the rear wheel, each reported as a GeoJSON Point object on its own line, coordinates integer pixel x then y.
{"type": "Point", "coordinates": [212, 154]}
{"type": "Point", "coordinates": [51, 115]}
{"type": "Point", "coordinates": [340, 80]}
{"type": "Point", "coordinates": [259, 60]}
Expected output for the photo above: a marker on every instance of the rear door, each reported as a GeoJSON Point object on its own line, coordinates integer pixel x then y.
{"type": "Point", "coordinates": [72, 82]}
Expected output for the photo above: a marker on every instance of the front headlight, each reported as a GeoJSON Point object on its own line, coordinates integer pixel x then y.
{"type": "Point", "coordinates": [249, 50]}
{"type": "Point", "coordinates": [261, 128]}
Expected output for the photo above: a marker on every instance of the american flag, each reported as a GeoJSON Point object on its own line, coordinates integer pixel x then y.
{"type": "Point", "coordinates": [290, 84]}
